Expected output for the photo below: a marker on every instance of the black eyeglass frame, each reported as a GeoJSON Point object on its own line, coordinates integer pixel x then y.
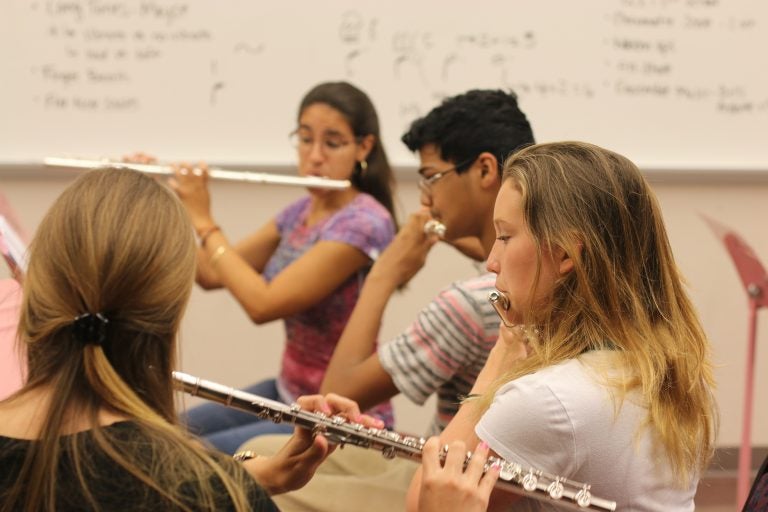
{"type": "Point", "coordinates": [426, 183]}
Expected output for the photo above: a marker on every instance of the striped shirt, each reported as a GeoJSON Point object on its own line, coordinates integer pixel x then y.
{"type": "Point", "coordinates": [445, 348]}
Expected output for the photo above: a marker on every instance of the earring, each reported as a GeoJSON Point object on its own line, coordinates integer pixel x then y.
{"type": "Point", "coordinates": [363, 166]}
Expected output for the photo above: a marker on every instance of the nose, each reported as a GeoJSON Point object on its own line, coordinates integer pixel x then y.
{"type": "Point", "coordinates": [316, 151]}
{"type": "Point", "coordinates": [492, 263]}
{"type": "Point", "coordinates": [425, 199]}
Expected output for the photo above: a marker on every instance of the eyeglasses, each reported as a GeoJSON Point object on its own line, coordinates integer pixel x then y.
{"type": "Point", "coordinates": [426, 183]}
{"type": "Point", "coordinates": [304, 142]}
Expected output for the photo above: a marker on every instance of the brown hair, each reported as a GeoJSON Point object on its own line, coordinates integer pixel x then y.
{"type": "Point", "coordinates": [378, 180]}
{"type": "Point", "coordinates": [120, 244]}
{"type": "Point", "coordinates": [625, 292]}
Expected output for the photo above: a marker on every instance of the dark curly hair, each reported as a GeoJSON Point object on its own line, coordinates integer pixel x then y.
{"type": "Point", "coordinates": [468, 124]}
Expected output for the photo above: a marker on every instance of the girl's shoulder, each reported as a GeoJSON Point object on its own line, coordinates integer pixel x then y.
{"type": "Point", "coordinates": [363, 223]}
{"type": "Point", "coordinates": [576, 382]}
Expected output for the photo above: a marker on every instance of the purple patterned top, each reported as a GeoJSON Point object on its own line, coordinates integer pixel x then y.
{"type": "Point", "coordinates": [312, 334]}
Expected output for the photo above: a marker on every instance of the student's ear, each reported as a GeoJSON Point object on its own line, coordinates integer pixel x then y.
{"type": "Point", "coordinates": [566, 264]}
{"type": "Point", "coordinates": [566, 261]}
{"type": "Point", "coordinates": [365, 146]}
{"type": "Point", "coordinates": [489, 169]}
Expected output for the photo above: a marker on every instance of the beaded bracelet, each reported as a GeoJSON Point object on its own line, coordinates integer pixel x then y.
{"type": "Point", "coordinates": [208, 232]}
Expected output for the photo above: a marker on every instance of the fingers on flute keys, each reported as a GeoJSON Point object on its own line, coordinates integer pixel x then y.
{"type": "Point", "coordinates": [336, 405]}
{"type": "Point", "coordinates": [464, 482]}
{"type": "Point", "coordinates": [184, 169]}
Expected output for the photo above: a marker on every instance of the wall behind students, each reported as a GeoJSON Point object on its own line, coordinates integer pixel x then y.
{"type": "Point", "coordinates": [219, 342]}
{"type": "Point", "coordinates": [666, 82]}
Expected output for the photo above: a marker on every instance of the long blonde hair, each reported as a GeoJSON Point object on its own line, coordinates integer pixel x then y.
{"type": "Point", "coordinates": [625, 292]}
{"type": "Point", "coordinates": [120, 244]}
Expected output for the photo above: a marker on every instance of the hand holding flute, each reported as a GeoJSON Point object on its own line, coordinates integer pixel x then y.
{"type": "Point", "coordinates": [469, 246]}
{"type": "Point", "coordinates": [190, 182]}
{"type": "Point", "coordinates": [296, 462]}
{"type": "Point", "coordinates": [452, 485]}
{"type": "Point", "coordinates": [191, 185]}
{"type": "Point", "coordinates": [407, 253]}
{"type": "Point", "coordinates": [353, 429]}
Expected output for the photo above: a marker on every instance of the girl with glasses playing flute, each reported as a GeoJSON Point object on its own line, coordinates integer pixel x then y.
{"type": "Point", "coordinates": [306, 265]}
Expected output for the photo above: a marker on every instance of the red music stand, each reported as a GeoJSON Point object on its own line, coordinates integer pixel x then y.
{"type": "Point", "coordinates": [755, 281]}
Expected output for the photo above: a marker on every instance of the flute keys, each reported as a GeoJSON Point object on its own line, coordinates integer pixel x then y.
{"type": "Point", "coordinates": [555, 489]}
{"type": "Point", "coordinates": [530, 481]}
{"type": "Point", "coordinates": [262, 410]}
{"type": "Point", "coordinates": [584, 497]}
{"type": "Point", "coordinates": [410, 442]}
{"type": "Point", "coordinates": [508, 471]}
{"type": "Point", "coordinates": [393, 436]}
{"type": "Point", "coordinates": [389, 452]}
{"type": "Point", "coordinates": [506, 475]}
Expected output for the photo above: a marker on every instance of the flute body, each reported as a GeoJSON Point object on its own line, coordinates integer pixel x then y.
{"type": "Point", "coordinates": [221, 174]}
{"type": "Point", "coordinates": [513, 477]}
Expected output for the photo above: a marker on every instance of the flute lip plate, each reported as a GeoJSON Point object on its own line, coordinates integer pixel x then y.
{"type": "Point", "coordinates": [496, 297]}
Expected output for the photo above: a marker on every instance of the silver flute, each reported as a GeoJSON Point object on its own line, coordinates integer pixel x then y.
{"type": "Point", "coordinates": [513, 477]}
{"type": "Point", "coordinates": [500, 303]}
{"type": "Point", "coordinates": [220, 174]}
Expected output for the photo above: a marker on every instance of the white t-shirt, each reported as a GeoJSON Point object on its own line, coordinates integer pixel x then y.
{"type": "Point", "coordinates": [561, 420]}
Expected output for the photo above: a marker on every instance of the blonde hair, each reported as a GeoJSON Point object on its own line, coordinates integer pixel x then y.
{"type": "Point", "coordinates": [120, 244]}
{"type": "Point", "coordinates": [625, 292]}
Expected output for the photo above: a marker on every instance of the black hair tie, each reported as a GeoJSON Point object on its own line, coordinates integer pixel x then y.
{"type": "Point", "coordinates": [90, 328]}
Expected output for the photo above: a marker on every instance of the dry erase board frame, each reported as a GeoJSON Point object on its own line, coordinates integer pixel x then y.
{"type": "Point", "coordinates": [669, 83]}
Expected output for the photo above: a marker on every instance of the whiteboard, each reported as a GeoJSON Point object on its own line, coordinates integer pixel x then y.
{"type": "Point", "coordinates": [673, 84]}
